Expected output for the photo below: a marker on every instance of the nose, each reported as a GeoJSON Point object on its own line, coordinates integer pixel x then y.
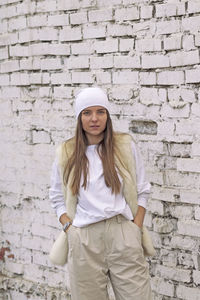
{"type": "Point", "coordinates": [94, 117]}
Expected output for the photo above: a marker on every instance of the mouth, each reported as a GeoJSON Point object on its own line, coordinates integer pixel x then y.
{"type": "Point", "coordinates": [94, 127]}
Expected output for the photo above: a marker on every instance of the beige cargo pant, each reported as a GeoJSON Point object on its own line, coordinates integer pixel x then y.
{"type": "Point", "coordinates": [108, 248]}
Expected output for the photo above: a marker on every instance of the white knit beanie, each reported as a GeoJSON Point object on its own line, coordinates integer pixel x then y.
{"type": "Point", "coordinates": [91, 96]}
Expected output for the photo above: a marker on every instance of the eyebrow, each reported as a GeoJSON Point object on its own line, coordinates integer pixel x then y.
{"type": "Point", "coordinates": [88, 109]}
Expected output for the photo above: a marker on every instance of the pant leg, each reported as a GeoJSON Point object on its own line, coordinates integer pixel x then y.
{"type": "Point", "coordinates": [128, 268]}
{"type": "Point", "coordinates": [87, 267]}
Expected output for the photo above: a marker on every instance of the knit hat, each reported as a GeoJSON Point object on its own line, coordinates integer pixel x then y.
{"type": "Point", "coordinates": [92, 96]}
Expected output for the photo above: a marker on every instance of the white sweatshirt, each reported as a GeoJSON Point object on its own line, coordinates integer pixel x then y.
{"type": "Point", "coordinates": [97, 203]}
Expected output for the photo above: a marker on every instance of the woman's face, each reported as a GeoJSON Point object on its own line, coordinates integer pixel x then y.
{"type": "Point", "coordinates": [94, 120]}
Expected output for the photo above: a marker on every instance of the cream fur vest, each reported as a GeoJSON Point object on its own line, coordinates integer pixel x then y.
{"type": "Point", "coordinates": [125, 164]}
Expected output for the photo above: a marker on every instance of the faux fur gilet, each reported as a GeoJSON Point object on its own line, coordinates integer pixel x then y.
{"type": "Point", "coordinates": [125, 164]}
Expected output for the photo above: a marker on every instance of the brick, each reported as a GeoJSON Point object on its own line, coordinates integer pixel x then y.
{"type": "Point", "coordinates": [107, 46]}
{"type": "Point", "coordinates": [163, 225]}
{"type": "Point", "coordinates": [193, 7]}
{"type": "Point", "coordinates": [185, 260]}
{"type": "Point", "coordinates": [188, 127]}
{"type": "Point", "coordinates": [25, 8]}
{"type": "Point", "coordinates": [35, 78]}
{"type": "Point", "coordinates": [62, 92]}
{"type": "Point", "coordinates": [126, 45]}
{"type": "Point", "coordinates": [28, 35]}
{"type": "Point", "coordinates": [40, 137]}
{"type": "Point", "coordinates": [122, 93]}
{"type": "Point", "coordinates": [185, 243]}
{"type": "Point", "coordinates": [82, 48]}
{"type": "Point", "coordinates": [192, 76]}
{"type": "Point", "coordinates": [58, 20]}
{"type": "Point", "coordinates": [177, 274]}
{"type": "Point", "coordinates": [189, 228]}
{"type": "Point", "coordinates": [68, 5]}
{"type": "Point", "coordinates": [184, 58]}
{"type": "Point", "coordinates": [189, 196]}
{"type": "Point", "coordinates": [9, 66]}
{"type": "Point", "coordinates": [148, 45]}
{"type": "Point", "coordinates": [170, 77]}
{"type": "Point", "coordinates": [173, 112]}
{"type": "Point", "coordinates": [156, 207]}
{"type": "Point", "coordinates": [43, 7]}
{"type": "Point", "coordinates": [9, 39]}
{"type": "Point", "coordinates": [179, 150]}
{"type": "Point", "coordinates": [179, 97]}
{"type": "Point", "coordinates": [81, 62]}
{"type": "Point", "coordinates": [100, 15]}
{"type": "Point", "coordinates": [44, 92]}
{"type": "Point", "coordinates": [82, 77]}
{"type": "Point", "coordinates": [51, 64]}
{"type": "Point", "coordinates": [126, 62]}
{"type": "Point", "coordinates": [197, 213]}
{"type": "Point", "coordinates": [33, 271]}
{"type": "Point", "coordinates": [165, 10]}
{"type": "Point", "coordinates": [93, 31]}
{"type": "Point", "coordinates": [19, 51]}
{"type": "Point", "coordinates": [169, 258]}
{"type": "Point", "coordinates": [103, 77]}
{"type": "Point", "coordinates": [4, 27]}
{"type": "Point", "coordinates": [19, 79]}
{"type": "Point", "coordinates": [166, 128]}
{"type": "Point", "coordinates": [10, 92]}
{"type": "Point", "coordinates": [78, 18]}
{"type": "Point", "coordinates": [4, 53]}
{"type": "Point", "coordinates": [14, 267]}
{"type": "Point", "coordinates": [48, 34]}
{"type": "Point", "coordinates": [71, 34]}
{"type": "Point", "coordinates": [154, 61]}
{"type": "Point", "coordinates": [147, 78]}
{"type": "Point", "coordinates": [131, 13]}
{"type": "Point", "coordinates": [36, 21]}
{"type": "Point", "coordinates": [101, 62]}
{"type": "Point", "coordinates": [188, 293]}
{"type": "Point", "coordinates": [181, 212]}
{"type": "Point", "coordinates": [188, 43]}
{"type": "Point", "coordinates": [168, 27]}
{"type": "Point", "coordinates": [143, 127]}
{"type": "Point", "coordinates": [197, 40]}
{"type": "Point", "coordinates": [191, 24]}
{"type": "Point", "coordinates": [196, 276]}
{"type": "Point", "coordinates": [60, 78]}
{"type": "Point", "coordinates": [125, 77]}
{"type": "Point", "coordinates": [150, 96]}
{"type": "Point", "coordinates": [173, 42]}
{"type": "Point", "coordinates": [160, 286]}
{"type": "Point", "coordinates": [146, 12]}
{"type": "Point", "coordinates": [115, 30]}
{"type": "Point", "coordinates": [4, 79]}
{"type": "Point", "coordinates": [8, 12]}
{"type": "Point", "coordinates": [196, 148]}
{"type": "Point", "coordinates": [188, 165]}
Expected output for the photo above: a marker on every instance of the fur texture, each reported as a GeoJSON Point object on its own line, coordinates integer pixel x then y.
{"type": "Point", "coordinates": [126, 166]}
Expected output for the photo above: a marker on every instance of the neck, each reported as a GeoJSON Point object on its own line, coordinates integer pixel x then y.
{"type": "Point", "coordinates": [93, 140]}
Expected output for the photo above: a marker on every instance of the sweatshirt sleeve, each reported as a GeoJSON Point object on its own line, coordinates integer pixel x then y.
{"type": "Point", "coordinates": [143, 186]}
{"type": "Point", "coordinates": [55, 192]}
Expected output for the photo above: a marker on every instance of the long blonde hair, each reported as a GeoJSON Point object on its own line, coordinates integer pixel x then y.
{"type": "Point", "coordinates": [78, 161]}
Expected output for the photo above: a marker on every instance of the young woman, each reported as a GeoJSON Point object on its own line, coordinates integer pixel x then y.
{"type": "Point", "coordinates": [99, 192]}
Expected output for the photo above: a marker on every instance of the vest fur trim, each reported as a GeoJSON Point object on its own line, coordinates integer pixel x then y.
{"type": "Point", "coordinates": [125, 164]}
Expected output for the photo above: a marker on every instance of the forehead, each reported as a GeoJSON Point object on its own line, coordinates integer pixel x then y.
{"type": "Point", "coordinates": [94, 108]}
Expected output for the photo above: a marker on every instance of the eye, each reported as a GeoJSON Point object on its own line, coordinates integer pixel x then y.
{"type": "Point", "coordinates": [101, 112]}
{"type": "Point", "coordinates": [86, 112]}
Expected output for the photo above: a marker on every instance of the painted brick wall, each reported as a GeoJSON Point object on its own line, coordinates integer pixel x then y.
{"type": "Point", "coordinates": [145, 54]}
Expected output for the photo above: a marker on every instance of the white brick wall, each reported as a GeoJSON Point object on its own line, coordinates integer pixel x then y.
{"type": "Point", "coordinates": [145, 54]}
